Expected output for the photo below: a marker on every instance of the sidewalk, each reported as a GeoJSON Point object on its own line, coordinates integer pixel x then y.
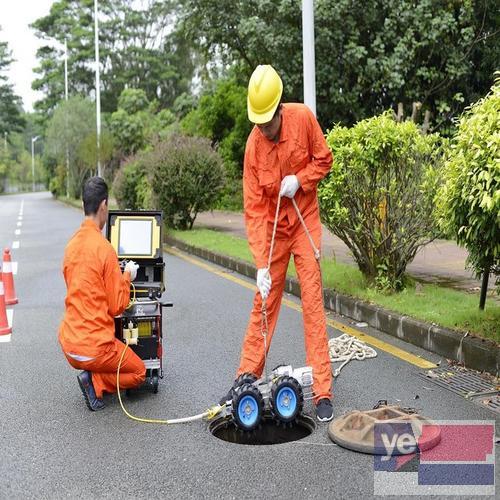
{"type": "Point", "coordinates": [440, 262]}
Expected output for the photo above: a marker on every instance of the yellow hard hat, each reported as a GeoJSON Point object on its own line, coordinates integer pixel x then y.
{"type": "Point", "coordinates": [264, 93]}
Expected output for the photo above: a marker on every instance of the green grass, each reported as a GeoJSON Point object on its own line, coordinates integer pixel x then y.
{"type": "Point", "coordinates": [434, 304]}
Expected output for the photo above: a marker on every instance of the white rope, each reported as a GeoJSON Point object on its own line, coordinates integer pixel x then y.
{"type": "Point", "coordinates": [317, 253]}
{"type": "Point", "coordinates": [346, 348]}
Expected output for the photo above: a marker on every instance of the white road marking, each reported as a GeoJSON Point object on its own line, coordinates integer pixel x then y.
{"type": "Point", "coordinates": [20, 217]}
{"type": "Point", "coordinates": [17, 232]}
{"type": "Point", "coordinates": [15, 244]}
{"type": "Point", "coordinates": [14, 268]}
{"type": "Point", "coordinates": [19, 224]}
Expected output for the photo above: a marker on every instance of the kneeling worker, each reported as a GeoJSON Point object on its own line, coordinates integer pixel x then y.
{"type": "Point", "coordinates": [96, 292]}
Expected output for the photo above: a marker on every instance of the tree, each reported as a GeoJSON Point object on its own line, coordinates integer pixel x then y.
{"type": "Point", "coordinates": [379, 196]}
{"type": "Point", "coordinates": [71, 131]}
{"type": "Point", "coordinates": [369, 55]}
{"type": "Point", "coordinates": [221, 115]}
{"type": "Point", "coordinates": [137, 122]}
{"type": "Point", "coordinates": [469, 201]}
{"type": "Point", "coordinates": [138, 48]}
{"type": "Point", "coordinates": [11, 119]}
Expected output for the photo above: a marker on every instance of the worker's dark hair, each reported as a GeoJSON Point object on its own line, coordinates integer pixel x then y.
{"type": "Point", "coordinates": [94, 191]}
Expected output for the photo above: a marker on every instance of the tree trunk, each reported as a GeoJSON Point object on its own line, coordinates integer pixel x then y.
{"type": "Point", "coordinates": [484, 288]}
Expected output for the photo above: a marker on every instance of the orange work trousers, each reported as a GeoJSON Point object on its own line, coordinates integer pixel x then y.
{"type": "Point", "coordinates": [316, 339]}
{"type": "Point", "coordinates": [105, 366]}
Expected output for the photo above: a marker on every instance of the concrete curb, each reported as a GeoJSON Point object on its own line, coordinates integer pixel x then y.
{"type": "Point", "coordinates": [473, 352]}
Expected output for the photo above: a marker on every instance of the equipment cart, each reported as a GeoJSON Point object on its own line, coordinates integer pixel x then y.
{"type": "Point", "coordinates": [137, 236]}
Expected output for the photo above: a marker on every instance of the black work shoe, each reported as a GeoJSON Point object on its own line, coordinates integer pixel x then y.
{"type": "Point", "coordinates": [324, 410]}
{"type": "Point", "coordinates": [85, 382]}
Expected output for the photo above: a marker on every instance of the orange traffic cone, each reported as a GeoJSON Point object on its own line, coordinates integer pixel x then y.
{"type": "Point", "coordinates": [5, 329]}
{"type": "Point", "coordinates": [8, 279]}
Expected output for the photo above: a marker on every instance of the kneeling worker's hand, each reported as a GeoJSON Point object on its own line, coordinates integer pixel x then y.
{"type": "Point", "coordinates": [264, 282]}
{"type": "Point", "coordinates": [132, 267]}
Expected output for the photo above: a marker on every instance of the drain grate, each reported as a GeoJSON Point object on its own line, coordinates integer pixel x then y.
{"type": "Point", "coordinates": [466, 383]}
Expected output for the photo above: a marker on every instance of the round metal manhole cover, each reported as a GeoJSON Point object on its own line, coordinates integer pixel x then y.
{"type": "Point", "coordinates": [268, 433]}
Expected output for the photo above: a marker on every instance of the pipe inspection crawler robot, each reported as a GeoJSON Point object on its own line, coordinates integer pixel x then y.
{"type": "Point", "coordinates": [280, 394]}
{"type": "Point", "coordinates": [137, 236]}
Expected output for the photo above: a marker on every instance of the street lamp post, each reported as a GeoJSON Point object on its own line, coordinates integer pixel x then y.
{"type": "Point", "coordinates": [5, 142]}
{"type": "Point", "coordinates": [97, 88]}
{"type": "Point", "coordinates": [66, 99]}
{"type": "Point", "coordinates": [308, 54]}
{"type": "Point", "coordinates": [33, 140]}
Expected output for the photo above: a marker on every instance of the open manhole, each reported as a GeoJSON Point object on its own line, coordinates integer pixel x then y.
{"type": "Point", "coordinates": [268, 433]}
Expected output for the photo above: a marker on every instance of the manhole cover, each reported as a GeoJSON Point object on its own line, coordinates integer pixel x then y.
{"type": "Point", "coordinates": [268, 433]}
{"type": "Point", "coordinates": [466, 383]}
{"type": "Point", "coordinates": [365, 431]}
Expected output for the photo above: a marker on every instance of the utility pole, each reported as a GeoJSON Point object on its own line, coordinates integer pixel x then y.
{"type": "Point", "coordinates": [308, 54]}
{"type": "Point", "coordinates": [5, 142]}
{"type": "Point", "coordinates": [66, 98]}
{"type": "Point", "coordinates": [97, 88]}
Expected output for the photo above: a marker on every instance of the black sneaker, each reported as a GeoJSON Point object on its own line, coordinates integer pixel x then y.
{"type": "Point", "coordinates": [324, 410]}
{"type": "Point", "coordinates": [92, 401]}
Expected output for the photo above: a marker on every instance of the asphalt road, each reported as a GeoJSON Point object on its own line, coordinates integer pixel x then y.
{"type": "Point", "coordinates": [51, 446]}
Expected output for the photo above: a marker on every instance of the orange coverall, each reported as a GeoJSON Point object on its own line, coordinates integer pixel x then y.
{"type": "Point", "coordinates": [96, 292]}
{"type": "Point", "coordinates": [302, 151]}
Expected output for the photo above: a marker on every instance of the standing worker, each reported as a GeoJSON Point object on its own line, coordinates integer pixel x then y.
{"type": "Point", "coordinates": [286, 156]}
{"type": "Point", "coordinates": [97, 291]}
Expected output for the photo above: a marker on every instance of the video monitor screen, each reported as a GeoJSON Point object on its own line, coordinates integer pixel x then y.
{"type": "Point", "coordinates": [135, 237]}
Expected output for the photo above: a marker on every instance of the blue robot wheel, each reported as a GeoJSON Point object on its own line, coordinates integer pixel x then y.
{"type": "Point", "coordinates": [248, 406]}
{"type": "Point", "coordinates": [287, 399]}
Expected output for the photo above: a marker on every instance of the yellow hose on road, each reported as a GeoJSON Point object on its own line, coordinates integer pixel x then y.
{"type": "Point", "coordinates": [208, 414]}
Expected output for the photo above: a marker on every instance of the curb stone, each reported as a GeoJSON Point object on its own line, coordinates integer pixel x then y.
{"type": "Point", "coordinates": [474, 352]}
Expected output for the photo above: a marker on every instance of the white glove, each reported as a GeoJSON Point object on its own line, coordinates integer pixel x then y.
{"type": "Point", "coordinates": [132, 267]}
{"type": "Point", "coordinates": [289, 186]}
{"type": "Point", "coordinates": [264, 282]}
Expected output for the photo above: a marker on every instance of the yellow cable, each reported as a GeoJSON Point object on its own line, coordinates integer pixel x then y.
{"type": "Point", "coordinates": [133, 299]}
{"type": "Point", "coordinates": [208, 414]}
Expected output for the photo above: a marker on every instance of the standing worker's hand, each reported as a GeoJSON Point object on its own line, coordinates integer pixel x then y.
{"type": "Point", "coordinates": [289, 186]}
{"type": "Point", "coordinates": [132, 267]}
{"type": "Point", "coordinates": [264, 282]}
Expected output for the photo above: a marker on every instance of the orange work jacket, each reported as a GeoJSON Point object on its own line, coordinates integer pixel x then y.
{"type": "Point", "coordinates": [302, 151]}
{"type": "Point", "coordinates": [96, 292]}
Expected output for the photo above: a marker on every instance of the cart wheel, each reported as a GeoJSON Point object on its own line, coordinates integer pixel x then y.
{"type": "Point", "coordinates": [154, 381]}
{"type": "Point", "coordinates": [287, 399]}
{"type": "Point", "coordinates": [248, 406]}
{"type": "Point", "coordinates": [128, 392]}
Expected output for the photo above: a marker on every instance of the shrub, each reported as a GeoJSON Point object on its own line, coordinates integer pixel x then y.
{"type": "Point", "coordinates": [125, 184]}
{"type": "Point", "coordinates": [469, 201]}
{"type": "Point", "coordinates": [378, 197]}
{"type": "Point", "coordinates": [187, 176]}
